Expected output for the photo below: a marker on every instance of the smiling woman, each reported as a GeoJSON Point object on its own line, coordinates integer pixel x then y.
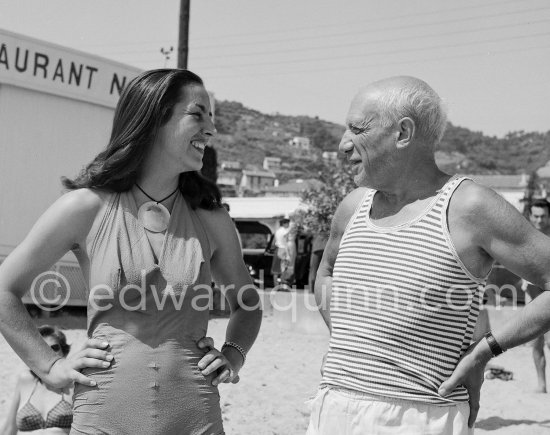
{"type": "Point", "coordinates": [150, 234]}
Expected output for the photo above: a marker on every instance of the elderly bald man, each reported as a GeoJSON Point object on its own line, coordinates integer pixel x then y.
{"type": "Point", "coordinates": [401, 278]}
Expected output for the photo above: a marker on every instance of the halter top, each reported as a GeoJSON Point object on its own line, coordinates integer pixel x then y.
{"type": "Point", "coordinates": [29, 418]}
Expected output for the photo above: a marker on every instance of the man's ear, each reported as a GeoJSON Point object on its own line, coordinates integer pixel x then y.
{"type": "Point", "coordinates": [405, 133]}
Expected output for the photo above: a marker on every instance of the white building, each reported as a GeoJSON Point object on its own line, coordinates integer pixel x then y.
{"type": "Point", "coordinates": [300, 143]}
{"type": "Point", "coordinates": [257, 181]}
{"type": "Point", "coordinates": [228, 165]}
{"type": "Point", "coordinates": [56, 110]}
{"type": "Point", "coordinates": [330, 156]}
{"type": "Point", "coordinates": [272, 163]}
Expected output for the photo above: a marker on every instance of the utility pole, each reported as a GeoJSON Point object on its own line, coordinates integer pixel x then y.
{"type": "Point", "coordinates": [183, 41]}
{"type": "Point", "coordinates": [210, 159]}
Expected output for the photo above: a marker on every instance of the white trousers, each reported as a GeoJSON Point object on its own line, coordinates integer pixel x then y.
{"type": "Point", "coordinates": [336, 411]}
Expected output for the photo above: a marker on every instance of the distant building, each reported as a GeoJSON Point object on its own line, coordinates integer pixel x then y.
{"type": "Point", "coordinates": [330, 156]}
{"type": "Point", "coordinates": [301, 144]}
{"type": "Point", "coordinates": [544, 172]}
{"type": "Point", "coordinates": [272, 163]}
{"type": "Point", "coordinates": [510, 187]}
{"type": "Point", "coordinates": [231, 166]}
{"type": "Point", "coordinates": [293, 188]}
{"type": "Point", "coordinates": [543, 175]}
{"type": "Point", "coordinates": [256, 181]}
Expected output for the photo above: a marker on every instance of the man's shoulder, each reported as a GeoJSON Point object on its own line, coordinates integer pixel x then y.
{"type": "Point", "coordinates": [479, 206]}
{"type": "Point", "coordinates": [472, 197]}
{"type": "Point", "coordinates": [348, 206]}
{"type": "Point", "coordinates": [354, 198]}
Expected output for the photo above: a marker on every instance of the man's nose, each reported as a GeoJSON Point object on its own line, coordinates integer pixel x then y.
{"type": "Point", "coordinates": [346, 144]}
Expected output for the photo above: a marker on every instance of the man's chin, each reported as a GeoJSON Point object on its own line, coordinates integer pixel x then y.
{"type": "Point", "coordinates": [360, 180]}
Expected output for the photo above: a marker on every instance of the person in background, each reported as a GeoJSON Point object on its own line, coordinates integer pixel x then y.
{"type": "Point", "coordinates": [539, 217]}
{"type": "Point", "coordinates": [400, 282]}
{"type": "Point", "coordinates": [281, 254]}
{"type": "Point", "coordinates": [36, 407]}
{"type": "Point", "coordinates": [150, 235]}
{"type": "Point", "coordinates": [288, 272]}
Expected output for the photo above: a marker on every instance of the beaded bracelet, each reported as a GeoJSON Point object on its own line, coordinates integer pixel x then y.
{"type": "Point", "coordinates": [237, 347]}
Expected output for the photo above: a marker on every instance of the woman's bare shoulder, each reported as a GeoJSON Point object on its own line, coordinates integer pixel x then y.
{"type": "Point", "coordinates": [82, 204]}
{"type": "Point", "coordinates": [86, 199]}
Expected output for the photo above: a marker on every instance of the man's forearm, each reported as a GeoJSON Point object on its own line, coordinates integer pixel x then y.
{"type": "Point", "coordinates": [529, 323]}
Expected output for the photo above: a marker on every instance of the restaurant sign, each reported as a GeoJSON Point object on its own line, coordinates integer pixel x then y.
{"type": "Point", "coordinates": [44, 67]}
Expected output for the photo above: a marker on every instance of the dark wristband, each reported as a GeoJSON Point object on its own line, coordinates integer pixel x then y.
{"type": "Point", "coordinates": [493, 344]}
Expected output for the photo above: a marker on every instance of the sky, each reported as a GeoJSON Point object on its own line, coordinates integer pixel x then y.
{"type": "Point", "coordinates": [489, 60]}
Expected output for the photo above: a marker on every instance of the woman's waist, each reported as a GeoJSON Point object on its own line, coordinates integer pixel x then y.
{"type": "Point", "coordinates": [135, 361]}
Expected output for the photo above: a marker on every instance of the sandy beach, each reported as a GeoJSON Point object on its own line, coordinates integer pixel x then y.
{"type": "Point", "coordinates": [282, 372]}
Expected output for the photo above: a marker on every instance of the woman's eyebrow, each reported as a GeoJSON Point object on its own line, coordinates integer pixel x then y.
{"type": "Point", "coordinates": [202, 107]}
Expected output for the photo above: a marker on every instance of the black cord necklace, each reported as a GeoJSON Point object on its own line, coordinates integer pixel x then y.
{"type": "Point", "coordinates": [153, 215]}
{"type": "Point", "coordinates": [153, 199]}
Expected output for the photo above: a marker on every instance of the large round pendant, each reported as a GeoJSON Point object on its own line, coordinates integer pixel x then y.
{"type": "Point", "coordinates": [154, 217]}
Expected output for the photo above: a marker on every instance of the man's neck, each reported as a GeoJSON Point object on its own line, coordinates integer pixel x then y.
{"type": "Point", "coordinates": [410, 189]}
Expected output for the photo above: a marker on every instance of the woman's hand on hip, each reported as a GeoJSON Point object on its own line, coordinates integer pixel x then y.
{"type": "Point", "coordinates": [66, 371]}
{"type": "Point", "coordinates": [216, 362]}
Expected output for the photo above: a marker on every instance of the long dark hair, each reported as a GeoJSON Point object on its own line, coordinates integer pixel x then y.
{"type": "Point", "coordinates": [145, 105]}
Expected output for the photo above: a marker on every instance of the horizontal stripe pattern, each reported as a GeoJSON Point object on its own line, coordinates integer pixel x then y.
{"type": "Point", "coordinates": [403, 307]}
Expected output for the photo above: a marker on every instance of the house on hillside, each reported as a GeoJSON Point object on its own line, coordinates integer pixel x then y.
{"type": "Point", "coordinates": [510, 187]}
{"type": "Point", "coordinates": [300, 144]}
{"type": "Point", "coordinates": [256, 181]}
{"type": "Point", "coordinates": [272, 163]}
{"type": "Point", "coordinates": [228, 165]}
{"type": "Point", "coordinates": [292, 188]}
{"type": "Point", "coordinates": [543, 175]}
{"type": "Point", "coordinates": [330, 156]}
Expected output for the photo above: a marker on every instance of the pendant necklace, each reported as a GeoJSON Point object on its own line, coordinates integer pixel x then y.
{"type": "Point", "coordinates": [152, 215]}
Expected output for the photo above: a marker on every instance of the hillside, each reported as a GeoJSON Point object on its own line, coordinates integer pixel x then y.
{"type": "Point", "coordinates": [247, 135]}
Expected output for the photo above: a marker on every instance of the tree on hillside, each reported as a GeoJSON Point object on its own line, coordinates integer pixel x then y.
{"type": "Point", "coordinates": [322, 202]}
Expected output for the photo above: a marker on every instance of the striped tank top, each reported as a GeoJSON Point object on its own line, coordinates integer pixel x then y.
{"type": "Point", "coordinates": [403, 306]}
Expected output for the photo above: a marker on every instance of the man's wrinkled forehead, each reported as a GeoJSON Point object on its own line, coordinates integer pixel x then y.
{"type": "Point", "coordinates": [364, 106]}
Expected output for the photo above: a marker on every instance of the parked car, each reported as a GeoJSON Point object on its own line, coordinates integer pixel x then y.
{"type": "Point", "coordinates": [259, 249]}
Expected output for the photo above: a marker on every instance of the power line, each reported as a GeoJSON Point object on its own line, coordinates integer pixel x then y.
{"type": "Point", "coordinates": [350, 23]}
{"type": "Point", "coordinates": [392, 19]}
{"type": "Point", "coordinates": [351, 44]}
{"type": "Point", "coordinates": [404, 62]}
{"type": "Point", "coordinates": [375, 41]}
{"type": "Point", "coordinates": [385, 63]}
{"type": "Point", "coordinates": [386, 52]}
{"type": "Point", "coordinates": [354, 33]}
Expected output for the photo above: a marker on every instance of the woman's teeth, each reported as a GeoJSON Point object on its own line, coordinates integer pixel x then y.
{"type": "Point", "coordinates": [199, 145]}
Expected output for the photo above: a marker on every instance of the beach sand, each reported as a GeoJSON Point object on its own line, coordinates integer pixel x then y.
{"type": "Point", "coordinates": [282, 372]}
